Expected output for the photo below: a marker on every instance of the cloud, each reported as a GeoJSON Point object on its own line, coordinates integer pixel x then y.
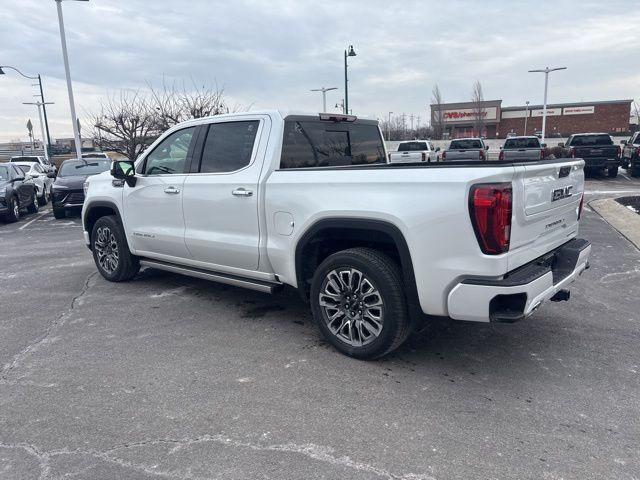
{"type": "Point", "coordinates": [271, 53]}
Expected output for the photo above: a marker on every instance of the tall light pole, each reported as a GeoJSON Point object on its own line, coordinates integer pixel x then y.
{"type": "Point", "coordinates": [65, 56]}
{"type": "Point", "coordinates": [44, 109]}
{"type": "Point", "coordinates": [526, 117]}
{"type": "Point", "coordinates": [40, 106]}
{"type": "Point", "coordinates": [546, 72]}
{"type": "Point", "coordinates": [324, 95]}
{"type": "Point", "coordinates": [350, 52]}
{"type": "Point", "coordinates": [389, 127]}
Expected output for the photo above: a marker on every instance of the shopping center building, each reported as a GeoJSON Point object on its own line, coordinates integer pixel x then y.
{"type": "Point", "coordinates": [563, 119]}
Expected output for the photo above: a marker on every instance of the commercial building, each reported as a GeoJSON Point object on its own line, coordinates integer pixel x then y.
{"type": "Point", "coordinates": [563, 119]}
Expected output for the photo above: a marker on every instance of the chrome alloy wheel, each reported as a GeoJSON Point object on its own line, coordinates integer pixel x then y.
{"type": "Point", "coordinates": [16, 209]}
{"type": "Point", "coordinates": [106, 248]}
{"type": "Point", "coordinates": [352, 307]}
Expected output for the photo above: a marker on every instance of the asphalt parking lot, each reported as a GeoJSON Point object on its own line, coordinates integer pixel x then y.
{"type": "Point", "coordinates": [174, 377]}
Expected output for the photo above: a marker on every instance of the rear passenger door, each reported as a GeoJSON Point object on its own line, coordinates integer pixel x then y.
{"type": "Point", "coordinates": [221, 195]}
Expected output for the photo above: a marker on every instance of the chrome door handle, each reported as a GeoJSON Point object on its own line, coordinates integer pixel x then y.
{"type": "Point", "coordinates": [242, 192]}
{"type": "Point", "coordinates": [172, 190]}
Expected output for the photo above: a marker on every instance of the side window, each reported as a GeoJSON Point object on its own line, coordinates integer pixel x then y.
{"type": "Point", "coordinates": [228, 146]}
{"type": "Point", "coordinates": [170, 156]}
{"type": "Point", "coordinates": [38, 168]}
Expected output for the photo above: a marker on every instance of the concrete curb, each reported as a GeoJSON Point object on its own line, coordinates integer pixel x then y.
{"type": "Point", "coordinates": [619, 217]}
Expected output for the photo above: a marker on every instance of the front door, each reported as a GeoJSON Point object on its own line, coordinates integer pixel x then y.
{"type": "Point", "coordinates": [221, 197]}
{"type": "Point", "coordinates": [153, 207]}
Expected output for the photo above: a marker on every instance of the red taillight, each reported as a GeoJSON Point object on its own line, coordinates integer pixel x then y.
{"type": "Point", "coordinates": [483, 156]}
{"type": "Point", "coordinates": [572, 152]}
{"type": "Point", "coordinates": [638, 151]}
{"type": "Point", "coordinates": [619, 150]}
{"type": "Point", "coordinates": [490, 210]}
{"type": "Point", "coordinates": [424, 156]}
{"type": "Point", "coordinates": [501, 156]}
{"type": "Point", "coordinates": [542, 153]}
{"type": "Point", "coordinates": [444, 155]}
{"type": "Point", "coordinates": [580, 207]}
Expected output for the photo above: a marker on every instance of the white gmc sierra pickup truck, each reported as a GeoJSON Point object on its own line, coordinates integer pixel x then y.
{"type": "Point", "coordinates": [262, 200]}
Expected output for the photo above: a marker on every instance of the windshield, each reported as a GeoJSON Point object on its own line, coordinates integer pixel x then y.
{"type": "Point", "coordinates": [465, 144]}
{"type": "Point", "coordinates": [590, 140]}
{"type": "Point", "coordinates": [412, 146]}
{"type": "Point", "coordinates": [76, 167]}
{"type": "Point", "coordinates": [94, 155]}
{"type": "Point", "coordinates": [24, 168]}
{"type": "Point", "coordinates": [24, 159]}
{"type": "Point", "coordinates": [4, 173]}
{"type": "Point", "coordinates": [532, 142]}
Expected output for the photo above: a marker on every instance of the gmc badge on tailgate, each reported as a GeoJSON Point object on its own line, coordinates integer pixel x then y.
{"type": "Point", "coordinates": [560, 193]}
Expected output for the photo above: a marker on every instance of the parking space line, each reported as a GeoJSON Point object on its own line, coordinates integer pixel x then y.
{"type": "Point", "coordinates": [34, 219]}
{"type": "Point", "coordinates": [625, 176]}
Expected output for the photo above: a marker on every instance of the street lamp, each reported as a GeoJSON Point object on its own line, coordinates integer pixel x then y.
{"type": "Point", "coordinates": [347, 53]}
{"type": "Point", "coordinates": [526, 117]}
{"type": "Point", "coordinates": [65, 56]}
{"type": "Point", "coordinates": [324, 95]}
{"type": "Point", "coordinates": [46, 122]}
{"type": "Point", "coordinates": [546, 72]}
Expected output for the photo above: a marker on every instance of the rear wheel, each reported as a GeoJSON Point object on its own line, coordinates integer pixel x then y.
{"type": "Point", "coordinates": [59, 213]}
{"type": "Point", "coordinates": [358, 302]}
{"type": "Point", "coordinates": [13, 210]}
{"type": "Point", "coordinates": [634, 170]}
{"type": "Point", "coordinates": [44, 198]}
{"type": "Point", "coordinates": [111, 252]}
{"type": "Point", "coordinates": [612, 172]}
{"type": "Point", "coordinates": [34, 206]}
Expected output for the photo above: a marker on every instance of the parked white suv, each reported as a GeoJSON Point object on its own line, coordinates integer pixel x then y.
{"type": "Point", "coordinates": [261, 200]}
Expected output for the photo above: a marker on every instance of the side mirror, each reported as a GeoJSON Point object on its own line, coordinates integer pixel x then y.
{"type": "Point", "coordinates": [623, 142]}
{"type": "Point", "coordinates": [561, 144]}
{"type": "Point", "coordinates": [51, 174]}
{"type": "Point", "coordinates": [124, 170]}
{"type": "Point", "coordinates": [543, 145]}
{"type": "Point", "coordinates": [437, 149]}
{"type": "Point", "coordinates": [486, 147]}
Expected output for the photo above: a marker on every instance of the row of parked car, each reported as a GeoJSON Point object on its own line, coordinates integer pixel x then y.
{"type": "Point", "coordinates": [597, 150]}
{"type": "Point", "coordinates": [30, 182]}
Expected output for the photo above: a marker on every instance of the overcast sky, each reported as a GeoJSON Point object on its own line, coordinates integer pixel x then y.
{"type": "Point", "coordinates": [269, 54]}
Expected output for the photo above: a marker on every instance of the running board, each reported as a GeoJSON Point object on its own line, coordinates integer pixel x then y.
{"type": "Point", "coordinates": [236, 281]}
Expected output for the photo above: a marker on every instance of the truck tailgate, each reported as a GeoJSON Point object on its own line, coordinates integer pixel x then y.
{"type": "Point", "coordinates": [546, 199]}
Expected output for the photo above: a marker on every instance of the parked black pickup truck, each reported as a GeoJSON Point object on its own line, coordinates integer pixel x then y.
{"type": "Point", "coordinates": [630, 158]}
{"type": "Point", "coordinates": [597, 150]}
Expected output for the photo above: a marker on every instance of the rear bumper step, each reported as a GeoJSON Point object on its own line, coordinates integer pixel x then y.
{"type": "Point", "coordinates": [259, 285]}
{"type": "Point", "coordinates": [520, 292]}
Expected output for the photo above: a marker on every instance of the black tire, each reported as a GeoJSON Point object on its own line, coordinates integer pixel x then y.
{"type": "Point", "coordinates": [385, 278]}
{"type": "Point", "coordinates": [34, 206]}
{"type": "Point", "coordinates": [59, 213]}
{"type": "Point", "coordinates": [612, 172]}
{"type": "Point", "coordinates": [43, 199]}
{"type": "Point", "coordinates": [634, 170]}
{"type": "Point", "coordinates": [13, 213]}
{"type": "Point", "coordinates": [108, 237]}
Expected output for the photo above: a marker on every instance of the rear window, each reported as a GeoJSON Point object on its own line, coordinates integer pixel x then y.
{"type": "Point", "coordinates": [24, 159]}
{"type": "Point", "coordinates": [590, 140]}
{"type": "Point", "coordinates": [24, 168]}
{"type": "Point", "coordinates": [462, 144]}
{"type": "Point", "coordinates": [317, 143]}
{"type": "Point", "coordinates": [522, 143]}
{"type": "Point", "coordinates": [412, 146]}
{"type": "Point", "coordinates": [76, 167]}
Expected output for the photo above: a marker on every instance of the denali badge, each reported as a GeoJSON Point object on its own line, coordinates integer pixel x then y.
{"type": "Point", "coordinates": [561, 193]}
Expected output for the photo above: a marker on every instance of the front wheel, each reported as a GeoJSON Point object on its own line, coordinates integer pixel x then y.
{"type": "Point", "coordinates": [358, 302]}
{"type": "Point", "coordinates": [612, 172]}
{"type": "Point", "coordinates": [111, 251]}
{"type": "Point", "coordinates": [59, 213]}
{"type": "Point", "coordinates": [13, 210]}
{"type": "Point", "coordinates": [44, 198]}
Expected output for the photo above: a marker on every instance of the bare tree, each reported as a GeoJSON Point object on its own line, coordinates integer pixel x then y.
{"type": "Point", "coordinates": [479, 112]}
{"type": "Point", "coordinates": [175, 104]}
{"type": "Point", "coordinates": [127, 123]}
{"type": "Point", "coordinates": [437, 116]}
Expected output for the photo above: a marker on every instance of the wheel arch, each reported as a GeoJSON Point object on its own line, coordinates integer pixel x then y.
{"type": "Point", "coordinates": [329, 235]}
{"type": "Point", "coordinates": [97, 209]}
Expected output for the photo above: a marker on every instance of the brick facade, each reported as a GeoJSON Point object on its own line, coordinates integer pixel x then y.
{"type": "Point", "coordinates": [611, 118]}
{"type": "Point", "coordinates": [608, 116]}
